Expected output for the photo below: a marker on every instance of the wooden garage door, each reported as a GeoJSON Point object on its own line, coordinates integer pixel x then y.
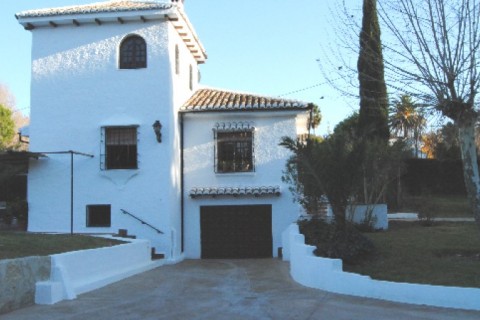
{"type": "Point", "coordinates": [236, 231]}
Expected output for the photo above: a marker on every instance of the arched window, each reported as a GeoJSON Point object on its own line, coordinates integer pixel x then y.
{"type": "Point", "coordinates": [133, 53]}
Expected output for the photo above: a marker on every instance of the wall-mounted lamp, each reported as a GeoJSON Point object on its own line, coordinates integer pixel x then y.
{"type": "Point", "coordinates": [157, 127]}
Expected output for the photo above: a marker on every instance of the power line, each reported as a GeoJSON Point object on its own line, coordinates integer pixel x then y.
{"type": "Point", "coordinates": [303, 89]}
{"type": "Point", "coordinates": [309, 87]}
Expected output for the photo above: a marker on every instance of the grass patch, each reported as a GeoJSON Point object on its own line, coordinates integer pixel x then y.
{"type": "Point", "coordinates": [439, 206]}
{"type": "Point", "coordinates": [21, 244]}
{"type": "Point", "coordinates": [446, 254]}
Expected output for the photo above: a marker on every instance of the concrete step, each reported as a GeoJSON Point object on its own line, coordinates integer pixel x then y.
{"type": "Point", "coordinates": [123, 233]}
{"type": "Point", "coordinates": [157, 256]}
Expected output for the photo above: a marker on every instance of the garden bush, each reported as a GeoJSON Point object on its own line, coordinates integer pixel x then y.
{"type": "Point", "coordinates": [333, 240]}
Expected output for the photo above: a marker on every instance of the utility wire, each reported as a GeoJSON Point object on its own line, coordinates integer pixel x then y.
{"type": "Point", "coordinates": [309, 87]}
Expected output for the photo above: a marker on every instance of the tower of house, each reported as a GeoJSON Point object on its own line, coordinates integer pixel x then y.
{"type": "Point", "coordinates": [108, 80]}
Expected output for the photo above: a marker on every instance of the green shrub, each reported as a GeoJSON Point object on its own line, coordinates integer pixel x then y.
{"type": "Point", "coordinates": [336, 241]}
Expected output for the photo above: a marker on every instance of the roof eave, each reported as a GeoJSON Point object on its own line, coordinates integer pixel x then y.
{"type": "Point", "coordinates": [33, 22]}
{"type": "Point", "coordinates": [174, 15]}
{"type": "Point", "coordinates": [223, 110]}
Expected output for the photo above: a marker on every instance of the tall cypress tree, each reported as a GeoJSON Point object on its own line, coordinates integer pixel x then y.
{"type": "Point", "coordinates": [373, 116]}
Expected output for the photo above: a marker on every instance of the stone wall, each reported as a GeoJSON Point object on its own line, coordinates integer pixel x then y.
{"type": "Point", "coordinates": [18, 278]}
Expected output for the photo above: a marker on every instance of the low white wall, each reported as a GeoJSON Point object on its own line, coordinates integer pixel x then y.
{"type": "Point", "coordinates": [77, 272]}
{"type": "Point", "coordinates": [357, 214]}
{"type": "Point", "coordinates": [327, 274]}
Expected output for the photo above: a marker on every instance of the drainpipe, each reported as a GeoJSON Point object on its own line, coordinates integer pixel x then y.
{"type": "Point", "coordinates": [182, 200]}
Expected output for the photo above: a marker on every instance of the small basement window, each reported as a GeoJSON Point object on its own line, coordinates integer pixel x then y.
{"type": "Point", "coordinates": [98, 215]}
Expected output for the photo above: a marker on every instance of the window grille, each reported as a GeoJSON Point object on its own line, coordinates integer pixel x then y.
{"type": "Point", "coordinates": [119, 148]}
{"type": "Point", "coordinates": [133, 53]}
{"type": "Point", "coordinates": [234, 151]}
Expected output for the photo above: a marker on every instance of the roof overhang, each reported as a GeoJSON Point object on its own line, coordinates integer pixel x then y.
{"type": "Point", "coordinates": [19, 157]}
{"type": "Point", "coordinates": [31, 23]}
{"type": "Point", "coordinates": [37, 19]}
{"type": "Point", "coordinates": [218, 100]}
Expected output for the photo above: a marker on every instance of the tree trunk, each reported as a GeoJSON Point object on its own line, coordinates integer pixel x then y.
{"type": "Point", "coordinates": [399, 188]}
{"type": "Point", "coordinates": [339, 212]}
{"type": "Point", "coordinates": [466, 134]}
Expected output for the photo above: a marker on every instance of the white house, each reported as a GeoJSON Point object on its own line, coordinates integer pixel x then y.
{"type": "Point", "coordinates": [195, 170]}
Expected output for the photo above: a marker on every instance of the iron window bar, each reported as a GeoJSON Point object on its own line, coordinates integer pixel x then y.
{"type": "Point", "coordinates": [234, 147]}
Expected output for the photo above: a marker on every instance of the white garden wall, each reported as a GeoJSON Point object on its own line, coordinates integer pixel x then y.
{"type": "Point", "coordinates": [77, 272]}
{"type": "Point", "coordinates": [327, 274]}
{"type": "Point", "coordinates": [376, 213]}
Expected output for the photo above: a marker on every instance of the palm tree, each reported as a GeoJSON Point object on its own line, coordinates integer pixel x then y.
{"type": "Point", "coordinates": [405, 121]}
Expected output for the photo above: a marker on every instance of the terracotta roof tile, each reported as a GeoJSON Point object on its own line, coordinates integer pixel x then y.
{"type": "Point", "coordinates": [253, 191]}
{"type": "Point", "coordinates": [221, 100]}
{"type": "Point", "coordinates": [99, 7]}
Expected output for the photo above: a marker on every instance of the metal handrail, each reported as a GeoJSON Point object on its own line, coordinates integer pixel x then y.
{"type": "Point", "coordinates": [141, 221]}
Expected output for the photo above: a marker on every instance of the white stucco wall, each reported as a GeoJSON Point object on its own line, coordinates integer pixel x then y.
{"type": "Point", "coordinates": [76, 89]}
{"type": "Point", "coordinates": [269, 159]}
{"type": "Point", "coordinates": [181, 92]}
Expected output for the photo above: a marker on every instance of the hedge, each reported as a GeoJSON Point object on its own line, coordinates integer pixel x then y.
{"type": "Point", "coordinates": [433, 176]}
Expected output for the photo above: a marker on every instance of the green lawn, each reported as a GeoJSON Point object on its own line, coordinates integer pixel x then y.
{"type": "Point", "coordinates": [446, 254]}
{"type": "Point", "coordinates": [439, 206]}
{"type": "Point", "coordinates": [22, 244]}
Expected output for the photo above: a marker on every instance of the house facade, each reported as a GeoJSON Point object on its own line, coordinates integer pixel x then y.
{"type": "Point", "coordinates": [134, 142]}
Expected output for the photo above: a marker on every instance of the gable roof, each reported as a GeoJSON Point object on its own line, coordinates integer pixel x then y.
{"type": "Point", "coordinates": [99, 7]}
{"type": "Point", "coordinates": [204, 100]}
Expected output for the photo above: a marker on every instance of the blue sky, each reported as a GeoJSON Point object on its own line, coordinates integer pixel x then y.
{"type": "Point", "coordinates": [267, 47]}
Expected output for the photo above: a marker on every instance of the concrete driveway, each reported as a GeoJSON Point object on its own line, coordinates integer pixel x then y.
{"type": "Point", "coordinates": [225, 289]}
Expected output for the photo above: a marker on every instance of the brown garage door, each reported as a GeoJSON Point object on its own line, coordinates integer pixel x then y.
{"type": "Point", "coordinates": [236, 231]}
